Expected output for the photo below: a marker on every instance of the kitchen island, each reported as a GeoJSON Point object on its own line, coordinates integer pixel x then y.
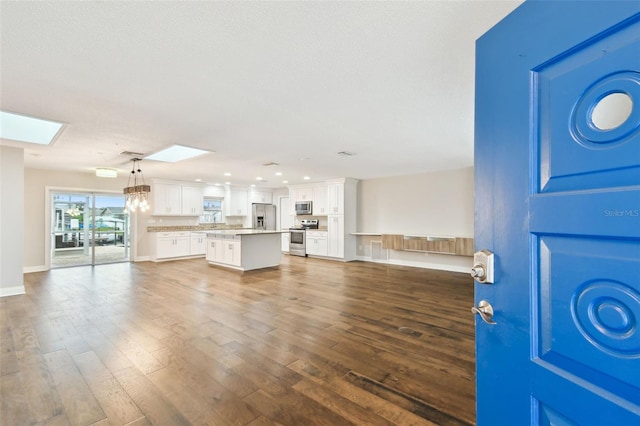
{"type": "Point", "coordinates": [244, 249]}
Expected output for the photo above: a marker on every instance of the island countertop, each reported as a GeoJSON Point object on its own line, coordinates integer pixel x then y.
{"type": "Point", "coordinates": [235, 232]}
{"type": "Point", "coordinates": [244, 249]}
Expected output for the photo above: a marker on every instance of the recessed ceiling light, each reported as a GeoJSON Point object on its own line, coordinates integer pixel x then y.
{"type": "Point", "coordinates": [198, 180]}
{"type": "Point", "coordinates": [259, 178]}
{"type": "Point", "coordinates": [285, 181]}
{"type": "Point", "coordinates": [227, 174]}
{"type": "Point", "coordinates": [176, 153]}
{"type": "Point", "coordinates": [22, 128]}
{"type": "Point", "coordinates": [227, 183]}
{"type": "Point", "coordinates": [106, 173]}
{"type": "Point", "coordinates": [306, 178]}
{"type": "Point", "coordinates": [253, 185]}
{"type": "Point", "coordinates": [278, 173]}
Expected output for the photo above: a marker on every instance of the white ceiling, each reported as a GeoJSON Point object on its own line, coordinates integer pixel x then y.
{"type": "Point", "coordinates": [257, 82]}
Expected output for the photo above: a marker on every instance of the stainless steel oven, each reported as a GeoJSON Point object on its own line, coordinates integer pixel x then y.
{"type": "Point", "coordinates": [298, 237]}
{"type": "Point", "coordinates": [297, 241]}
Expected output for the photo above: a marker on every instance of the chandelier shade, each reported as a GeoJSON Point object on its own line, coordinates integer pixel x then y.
{"type": "Point", "coordinates": [137, 191]}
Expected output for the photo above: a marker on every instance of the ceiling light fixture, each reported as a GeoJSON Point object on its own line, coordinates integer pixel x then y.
{"type": "Point", "coordinates": [137, 195]}
{"type": "Point", "coordinates": [306, 178]}
{"type": "Point", "coordinates": [106, 173]}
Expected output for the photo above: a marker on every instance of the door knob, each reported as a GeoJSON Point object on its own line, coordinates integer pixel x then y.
{"type": "Point", "coordinates": [485, 310]}
{"type": "Point", "coordinates": [478, 272]}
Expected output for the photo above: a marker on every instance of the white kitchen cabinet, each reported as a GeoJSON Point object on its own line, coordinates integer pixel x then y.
{"type": "Point", "coordinates": [304, 193]}
{"type": "Point", "coordinates": [261, 197]}
{"type": "Point", "coordinates": [167, 199]}
{"type": "Point", "coordinates": [335, 236]}
{"type": "Point", "coordinates": [171, 244]}
{"type": "Point", "coordinates": [192, 200]}
{"type": "Point", "coordinates": [319, 206]}
{"type": "Point", "coordinates": [237, 203]}
{"type": "Point", "coordinates": [284, 242]}
{"type": "Point", "coordinates": [198, 243]}
{"type": "Point", "coordinates": [335, 194]}
{"type": "Point", "coordinates": [317, 243]}
{"type": "Point", "coordinates": [232, 252]}
{"type": "Point", "coordinates": [176, 199]}
{"type": "Point", "coordinates": [215, 247]}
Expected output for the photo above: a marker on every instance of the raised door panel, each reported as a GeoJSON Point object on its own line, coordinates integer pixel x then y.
{"type": "Point", "coordinates": [167, 199]}
{"type": "Point", "coordinates": [335, 202]}
{"type": "Point", "coordinates": [198, 244]}
{"type": "Point", "coordinates": [317, 243]}
{"type": "Point", "coordinates": [238, 205]}
{"type": "Point", "coordinates": [182, 244]}
{"type": "Point", "coordinates": [320, 200]}
{"type": "Point", "coordinates": [164, 247]}
{"type": "Point", "coordinates": [237, 253]}
{"type": "Point", "coordinates": [335, 236]}
{"type": "Point", "coordinates": [285, 242]}
{"type": "Point", "coordinates": [231, 252]}
{"type": "Point", "coordinates": [305, 194]}
{"type": "Point", "coordinates": [192, 200]}
{"type": "Point", "coordinates": [215, 250]}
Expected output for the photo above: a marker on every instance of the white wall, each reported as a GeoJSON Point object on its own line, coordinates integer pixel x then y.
{"type": "Point", "coordinates": [438, 204]}
{"type": "Point", "coordinates": [11, 220]}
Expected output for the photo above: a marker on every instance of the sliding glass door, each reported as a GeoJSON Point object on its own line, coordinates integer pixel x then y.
{"type": "Point", "coordinates": [88, 228]}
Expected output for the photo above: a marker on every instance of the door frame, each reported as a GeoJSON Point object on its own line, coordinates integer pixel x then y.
{"type": "Point", "coordinates": [48, 192]}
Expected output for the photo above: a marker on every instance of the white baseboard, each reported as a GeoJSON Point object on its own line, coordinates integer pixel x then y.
{"type": "Point", "coordinates": [30, 269]}
{"type": "Point", "coordinates": [425, 265]}
{"type": "Point", "coordinates": [11, 291]}
{"type": "Point", "coordinates": [141, 259]}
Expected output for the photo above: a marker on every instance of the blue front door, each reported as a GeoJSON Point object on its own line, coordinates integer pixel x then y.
{"type": "Point", "coordinates": [557, 187]}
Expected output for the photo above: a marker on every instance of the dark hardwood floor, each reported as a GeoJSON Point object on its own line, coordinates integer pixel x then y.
{"type": "Point", "coordinates": [177, 343]}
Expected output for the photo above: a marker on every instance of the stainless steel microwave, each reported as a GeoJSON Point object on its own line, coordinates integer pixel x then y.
{"type": "Point", "coordinates": [303, 207]}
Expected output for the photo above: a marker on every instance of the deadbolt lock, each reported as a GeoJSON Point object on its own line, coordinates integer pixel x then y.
{"type": "Point", "coordinates": [482, 269]}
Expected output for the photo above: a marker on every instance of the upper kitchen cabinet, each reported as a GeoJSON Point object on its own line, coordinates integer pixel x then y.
{"type": "Point", "coordinates": [167, 199]}
{"type": "Point", "coordinates": [304, 193]}
{"type": "Point", "coordinates": [319, 206]}
{"type": "Point", "coordinates": [176, 199]}
{"type": "Point", "coordinates": [236, 202]}
{"type": "Point", "coordinates": [335, 193]}
{"type": "Point", "coordinates": [192, 200]}
{"type": "Point", "coordinates": [261, 197]}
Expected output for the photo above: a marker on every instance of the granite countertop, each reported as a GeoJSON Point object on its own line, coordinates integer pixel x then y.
{"type": "Point", "coordinates": [195, 228]}
{"type": "Point", "coordinates": [224, 232]}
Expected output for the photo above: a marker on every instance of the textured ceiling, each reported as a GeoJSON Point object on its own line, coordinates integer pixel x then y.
{"type": "Point", "coordinates": [257, 82]}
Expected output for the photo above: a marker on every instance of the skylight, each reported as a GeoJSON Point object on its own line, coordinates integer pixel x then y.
{"type": "Point", "coordinates": [27, 129]}
{"type": "Point", "coordinates": [175, 153]}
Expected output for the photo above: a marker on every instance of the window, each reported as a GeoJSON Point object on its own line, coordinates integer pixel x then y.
{"type": "Point", "coordinates": [212, 210]}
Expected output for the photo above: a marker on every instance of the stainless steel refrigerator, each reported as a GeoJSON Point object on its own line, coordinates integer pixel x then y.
{"type": "Point", "coordinates": [264, 216]}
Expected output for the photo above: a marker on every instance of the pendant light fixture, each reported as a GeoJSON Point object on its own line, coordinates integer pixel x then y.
{"type": "Point", "coordinates": [137, 195]}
